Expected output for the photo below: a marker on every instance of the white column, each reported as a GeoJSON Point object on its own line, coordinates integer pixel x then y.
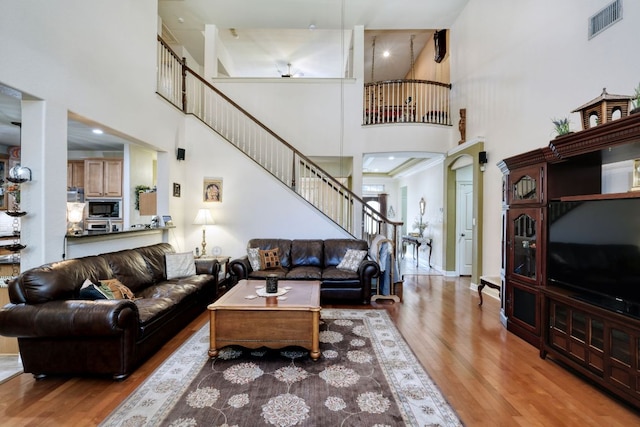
{"type": "Point", "coordinates": [210, 52]}
{"type": "Point", "coordinates": [44, 151]}
{"type": "Point", "coordinates": [358, 52]}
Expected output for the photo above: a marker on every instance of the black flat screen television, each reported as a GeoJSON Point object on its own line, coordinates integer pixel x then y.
{"type": "Point", "coordinates": [594, 249]}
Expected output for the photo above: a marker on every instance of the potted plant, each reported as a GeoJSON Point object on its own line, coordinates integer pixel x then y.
{"type": "Point", "coordinates": [561, 126]}
{"type": "Point", "coordinates": [635, 101]}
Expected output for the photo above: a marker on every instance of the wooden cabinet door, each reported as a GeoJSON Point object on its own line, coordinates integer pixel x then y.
{"type": "Point", "coordinates": [523, 305]}
{"type": "Point", "coordinates": [524, 233]}
{"type": "Point", "coordinates": [103, 178]}
{"type": "Point", "coordinates": [113, 178]}
{"type": "Point", "coordinates": [94, 178]}
{"type": "Point", "coordinates": [75, 174]}
{"type": "Point", "coordinates": [526, 185]}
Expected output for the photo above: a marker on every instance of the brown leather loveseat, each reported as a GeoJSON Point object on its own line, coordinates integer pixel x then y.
{"type": "Point", "coordinates": [59, 333]}
{"type": "Point", "coordinates": [315, 259]}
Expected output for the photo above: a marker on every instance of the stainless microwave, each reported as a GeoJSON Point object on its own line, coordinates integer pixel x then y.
{"type": "Point", "coordinates": [104, 208]}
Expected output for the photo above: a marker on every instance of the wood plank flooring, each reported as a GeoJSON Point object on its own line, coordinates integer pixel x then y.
{"type": "Point", "coordinates": [489, 376]}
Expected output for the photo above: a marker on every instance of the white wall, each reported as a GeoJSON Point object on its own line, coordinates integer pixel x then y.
{"type": "Point", "coordinates": [98, 60]}
{"type": "Point", "coordinates": [517, 65]}
{"type": "Point", "coordinates": [428, 184]}
{"type": "Point", "coordinates": [254, 203]}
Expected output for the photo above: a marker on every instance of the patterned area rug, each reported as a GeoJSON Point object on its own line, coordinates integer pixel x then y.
{"type": "Point", "coordinates": [366, 376]}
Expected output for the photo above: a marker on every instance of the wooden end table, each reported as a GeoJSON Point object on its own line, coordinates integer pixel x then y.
{"type": "Point", "coordinates": [274, 322]}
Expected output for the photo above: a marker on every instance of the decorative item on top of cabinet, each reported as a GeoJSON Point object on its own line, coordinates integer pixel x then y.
{"type": "Point", "coordinates": [103, 178]}
{"type": "Point", "coordinates": [603, 109]}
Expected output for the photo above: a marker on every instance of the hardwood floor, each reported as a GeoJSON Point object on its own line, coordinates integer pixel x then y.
{"type": "Point", "coordinates": [489, 376]}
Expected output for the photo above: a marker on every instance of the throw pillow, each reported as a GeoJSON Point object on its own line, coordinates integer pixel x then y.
{"type": "Point", "coordinates": [253, 254]}
{"type": "Point", "coordinates": [90, 291]}
{"type": "Point", "coordinates": [352, 260]}
{"type": "Point", "coordinates": [180, 265]}
{"type": "Point", "coordinates": [119, 290]}
{"type": "Point", "coordinates": [269, 259]}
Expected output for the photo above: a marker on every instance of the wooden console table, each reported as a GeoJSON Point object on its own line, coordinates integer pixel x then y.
{"type": "Point", "coordinates": [416, 242]}
{"type": "Point", "coordinates": [490, 281]}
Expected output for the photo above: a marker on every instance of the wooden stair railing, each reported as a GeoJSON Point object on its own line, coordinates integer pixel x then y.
{"type": "Point", "coordinates": [188, 91]}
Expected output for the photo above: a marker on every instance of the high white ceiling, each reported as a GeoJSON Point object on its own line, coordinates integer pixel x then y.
{"type": "Point", "coordinates": [262, 37]}
{"type": "Point", "coordinates": [272, 34]}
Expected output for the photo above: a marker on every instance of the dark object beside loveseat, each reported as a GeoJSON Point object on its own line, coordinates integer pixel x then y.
{"type": "Point", "coordinates": [58, 333]}
{"type": "Point", "coordinates": [315, 259]}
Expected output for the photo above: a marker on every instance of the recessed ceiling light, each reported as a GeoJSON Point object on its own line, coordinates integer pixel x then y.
{"type": "Point", "coordinates": [386, 54]}
{"type": "Point", "coordinates": [181, 20]}
{"type": "Point", "coordinates": [391, 157]}
{"type": "Point", "coordinates": [97, 131]}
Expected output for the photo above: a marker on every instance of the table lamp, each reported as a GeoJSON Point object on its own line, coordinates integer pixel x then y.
{"type": "Point", "coordinates": [75, 214]}
{"type": "Point", "coordinates": [204, 218]}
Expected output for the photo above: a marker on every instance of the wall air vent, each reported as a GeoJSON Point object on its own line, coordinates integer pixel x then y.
{"type": "Point", "coordinates": [605, 18]}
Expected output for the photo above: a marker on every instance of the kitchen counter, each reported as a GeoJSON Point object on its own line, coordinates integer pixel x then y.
{"type": "Point", "coordinates": [97, 242]}
{"type": "Point", "coordinates": [114, 234]}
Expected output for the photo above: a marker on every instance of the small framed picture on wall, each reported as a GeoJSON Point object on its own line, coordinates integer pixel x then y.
{"type": "Point", "coordinates": [176, 189]}
{"type": "Point", "coordinates": [212, 190]}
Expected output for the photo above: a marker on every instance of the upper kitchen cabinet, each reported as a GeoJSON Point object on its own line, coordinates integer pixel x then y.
{"type": "Point", "coordinates": [103, 178]}
{"type": "Point", "coordinates": [75, 174]}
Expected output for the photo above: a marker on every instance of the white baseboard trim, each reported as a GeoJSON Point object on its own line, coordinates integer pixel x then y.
{"type": "Point", "coordinates": [503, 318]}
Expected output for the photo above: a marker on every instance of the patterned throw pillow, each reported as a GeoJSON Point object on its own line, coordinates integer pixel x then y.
{"type": "Point", "coordinates": [352, 260]}
{"type": "Point", "coordinates": [180, 265]}
{"type": "Point", "coordinates": [119, 290]}
{"type": "Point", "coordinates": [254, 258]}
{"type": "Point", "coordinates": [269, 259]}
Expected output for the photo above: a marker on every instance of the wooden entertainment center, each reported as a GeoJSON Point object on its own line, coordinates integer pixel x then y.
{"type": "Point", "coordinates": [601, 344]}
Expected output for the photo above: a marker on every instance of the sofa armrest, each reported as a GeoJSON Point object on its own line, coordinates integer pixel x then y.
{"type": "Point", "coordinates": [367, 271]}
{"type": "Point", "coordinates": [68, 318]}
{"type": "Point", "coordinates": [208, 266]}
{"type": "Point", "coordinates": [240, 268]}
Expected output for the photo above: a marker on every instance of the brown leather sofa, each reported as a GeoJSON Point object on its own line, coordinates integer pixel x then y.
{"type": "Point", "coordinates": [60, 334]}
{"type": "Point", "coordinates": [315, 259]}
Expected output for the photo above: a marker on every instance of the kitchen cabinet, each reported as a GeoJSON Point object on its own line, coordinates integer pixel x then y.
{"type": "Point", "coordinates": [75, 174]}
{"type": "Point", "coordinates": [103, 178]}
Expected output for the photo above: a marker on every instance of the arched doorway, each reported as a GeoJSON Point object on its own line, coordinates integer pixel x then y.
{"type": "Point", "coordinates": [457, 160]}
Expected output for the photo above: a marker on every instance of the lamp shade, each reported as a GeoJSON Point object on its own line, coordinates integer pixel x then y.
{"type": "Point", "coordinates": [75, 212]}
{"type": "Point", "coordinates": [204, 217]}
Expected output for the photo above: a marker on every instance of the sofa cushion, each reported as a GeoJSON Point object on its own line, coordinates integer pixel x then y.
{"type": "Point", "coordinates": [130, 268]}
{"type": "Point", "coordinates": [180, 265]}
{"type": "Point", "coordinates": [352, 259]}
{"type": "Point", "coordinates": [281, 273]}
{"type": "Point", "coordinates": [335, 249]}
{"type": "Point", "coordinates": [284, 245]}
{"type": "Point", "coordinates": [335, 274]}
{"type": "Point", "coordinates": [59, 280]}
{"type": "Point", "coordinates": [304, 272]}
{"type": "Point", "coordinates": [269, 259]}
{"type": "Point", "coordinates": [306, 253]}
{"type": "Point", "coordinates": [154, 255]}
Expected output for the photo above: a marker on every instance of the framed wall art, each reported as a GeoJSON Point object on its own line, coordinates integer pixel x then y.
{"type": "Point", "coordinates": [212, 190]}
{"type": "Point", "coordinates": [176, 189]}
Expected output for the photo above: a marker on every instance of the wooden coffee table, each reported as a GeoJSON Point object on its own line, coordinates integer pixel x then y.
{"type": "Point", "coordinates": [275, 322]}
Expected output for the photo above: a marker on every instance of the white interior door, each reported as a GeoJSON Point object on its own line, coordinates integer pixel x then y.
{"type": "Point", "coordinates": [464, 227]}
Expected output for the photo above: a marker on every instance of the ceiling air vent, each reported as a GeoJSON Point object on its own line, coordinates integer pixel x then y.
{"type": "Point", "coordinates": [602, 20]}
